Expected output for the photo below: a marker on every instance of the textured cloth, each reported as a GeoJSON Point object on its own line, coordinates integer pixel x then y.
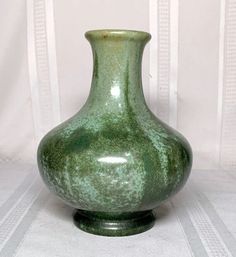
{"type": "Point", "coordinates": [199, 221]}
{"type": "Point", "coordinates": [189, 81]}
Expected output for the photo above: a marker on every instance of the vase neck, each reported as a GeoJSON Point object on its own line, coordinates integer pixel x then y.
{"type": "Point", "coordinates": [117, 69]}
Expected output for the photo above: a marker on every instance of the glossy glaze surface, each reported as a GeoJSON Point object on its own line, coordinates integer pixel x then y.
{"type": "Point", "coordinates": [114, 156]}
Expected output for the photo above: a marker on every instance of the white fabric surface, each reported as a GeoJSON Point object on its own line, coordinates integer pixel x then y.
{"type": "Point", "coordinates": [199, 221]}
{"type": "Point", "coordinates": [189, 78]}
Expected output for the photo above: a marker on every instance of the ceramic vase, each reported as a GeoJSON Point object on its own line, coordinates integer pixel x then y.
{"type": "Point", "coordinates": [114, 161]}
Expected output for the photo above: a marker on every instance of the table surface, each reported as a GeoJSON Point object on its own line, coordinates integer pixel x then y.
{"type": "Point", "coordinates": [199, 221]}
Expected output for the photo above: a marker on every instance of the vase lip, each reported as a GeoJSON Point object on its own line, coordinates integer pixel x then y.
{"type": "Point", "coordinates": [118, 34]}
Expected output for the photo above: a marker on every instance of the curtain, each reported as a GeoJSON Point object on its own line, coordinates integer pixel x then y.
{"type": "Point", "coordinates": [189, 69]}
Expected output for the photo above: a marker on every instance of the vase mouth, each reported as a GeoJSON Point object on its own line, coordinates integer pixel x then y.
{"type": "Point", "coordinates": [118, 34]}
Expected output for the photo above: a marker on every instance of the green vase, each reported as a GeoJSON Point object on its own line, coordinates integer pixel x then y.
{"type": "Point", "coordinates": [114, 161]}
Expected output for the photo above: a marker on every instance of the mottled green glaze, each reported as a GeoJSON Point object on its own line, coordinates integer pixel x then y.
{"type": "Point", "coordinates": [114, 160]}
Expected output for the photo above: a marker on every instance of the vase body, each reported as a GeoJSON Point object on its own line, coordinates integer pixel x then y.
{"type": "Point", "coordinates": [114, 161]}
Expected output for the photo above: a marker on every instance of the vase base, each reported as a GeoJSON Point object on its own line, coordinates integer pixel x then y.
{"type": "Point", "coordinates": [107, 224]}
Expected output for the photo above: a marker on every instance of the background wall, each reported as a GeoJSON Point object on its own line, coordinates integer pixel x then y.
{"type": "Point", "coordinates": [189, 69]}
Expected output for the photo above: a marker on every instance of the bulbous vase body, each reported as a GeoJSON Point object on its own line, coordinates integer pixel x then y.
{"type": "Point", "coordinates": [114, 161]}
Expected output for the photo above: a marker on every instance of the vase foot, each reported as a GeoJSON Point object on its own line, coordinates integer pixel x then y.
{"type": "Point", "coordinates": [108, 224]}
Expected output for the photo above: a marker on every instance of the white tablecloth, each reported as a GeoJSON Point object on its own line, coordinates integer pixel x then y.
{"type": "Point", "coordinates": [199, 221]}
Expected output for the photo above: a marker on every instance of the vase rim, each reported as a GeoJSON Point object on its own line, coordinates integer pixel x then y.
{"type": "Point", "coordinates": [118, 34]}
